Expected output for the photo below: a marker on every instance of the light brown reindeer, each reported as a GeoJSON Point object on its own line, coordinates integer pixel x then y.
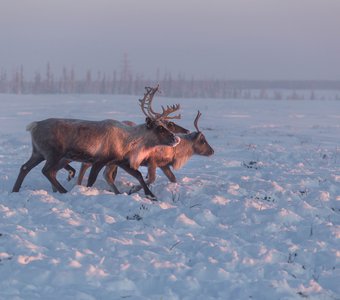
{"type": "Point", "coordinates": [165, 157]}
{"type": "Point", "coordinates": [59, 141]}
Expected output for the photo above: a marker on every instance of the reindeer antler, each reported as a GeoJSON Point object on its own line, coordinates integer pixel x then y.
{"type": "Point", "coordinates": [169, 110]}
{"type": "Point", "coordinates": [146, 107]}
{"type": "Point", "coordinates": [150, 106]}
{"type": "Point", "coordinates": [196, 120]}
{"type": "Point", "coordinates": [145, 103]}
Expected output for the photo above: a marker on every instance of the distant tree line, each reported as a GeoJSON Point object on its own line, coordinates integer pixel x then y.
{"type": "Point", "coordinates": [125, 82]}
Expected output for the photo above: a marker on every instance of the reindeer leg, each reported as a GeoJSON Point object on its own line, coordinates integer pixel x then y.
{"type": "Point", "coordinates": [83, 168]}
{"type": "Point", "coordinates": [168, 173]}
{"type": "Point", "coordinates": [114, 174]}
{"type": "Point", "coordinates": [71, 172]}
{"type": "Point", "coordinates": [64, 164]}
{"type": "Point", "coordinates": [96, 167]}
{"type": "Point", "coordinates": [139, 177]}
{"type": "Point", "coordinates": [135, 189]}
{"type": "Point", "coordinates": [50, 170]}
{"type": "Point", "coordinates": [110, 174]}
{"type": "Point", "coordinates": [34, 160]}
{"type": "Point", "coordinates": [151, 177]}
{"type": "Point", "coordinates": [152, 166]}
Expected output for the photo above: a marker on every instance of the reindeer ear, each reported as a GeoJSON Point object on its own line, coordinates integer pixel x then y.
{"type": "Point", "coordinates": [148, 122]}
{"type": "Point", "coordinates": [193, 135]}
{"type": "Point", "coordinates": [198, 135]}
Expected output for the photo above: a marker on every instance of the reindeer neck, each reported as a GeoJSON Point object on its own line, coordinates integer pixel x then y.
{"type": "Point", "coordinates": [139, 150]}
{"type": "Point", "coordinates": [182, 152]}
{"type": "Point", "coordinates": [136, 130]}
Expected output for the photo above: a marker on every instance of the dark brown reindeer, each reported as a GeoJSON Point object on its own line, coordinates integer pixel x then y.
{"type": "Point", "coordinates": [59, 141]}
{"type": "Point", "coordinates": [149, 113]}
{"type": "Point", "coordinates": [165, 157]}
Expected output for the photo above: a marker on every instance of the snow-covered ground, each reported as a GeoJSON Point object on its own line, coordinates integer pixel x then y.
{"type": "Point", "coordinates": [258, 220]}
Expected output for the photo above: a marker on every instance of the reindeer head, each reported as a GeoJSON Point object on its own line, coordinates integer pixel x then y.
{"type": "Point", "coordinates": [146, 105]}
{"type": "Point", "coordinates": [175, 128]}
{"type": "Point", "coordinates": [156, 121]}
{"type": "Point", "coordinates": [201, 146]}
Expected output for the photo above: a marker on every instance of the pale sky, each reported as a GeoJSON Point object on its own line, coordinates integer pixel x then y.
{"type": "Point", "coordinates": [227, 39]}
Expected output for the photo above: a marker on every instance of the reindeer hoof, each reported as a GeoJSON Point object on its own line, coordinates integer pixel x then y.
{"type": "Point", "coordinates": [151, 197]}
{"type": "Point", "coordinates": [71, 175]}
{"type": "Point", "coordinates": [117, 192]}
{"type": "Point", "coordinates": [62, 191]}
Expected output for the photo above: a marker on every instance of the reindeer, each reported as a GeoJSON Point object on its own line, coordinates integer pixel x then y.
{"type": "Point", "coordinates": [59, 141]}
{"type": "Point", "coordinates": [165, 157]}
{"type": "Point", "coordinates": [149, 113]}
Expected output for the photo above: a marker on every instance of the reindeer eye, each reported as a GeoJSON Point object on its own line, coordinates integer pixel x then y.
{"type": "Point", "coordinates": [160, 128]}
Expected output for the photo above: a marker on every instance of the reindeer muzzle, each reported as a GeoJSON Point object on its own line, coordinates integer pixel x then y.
{"type": "Point", "coordinates": [211, 152]}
